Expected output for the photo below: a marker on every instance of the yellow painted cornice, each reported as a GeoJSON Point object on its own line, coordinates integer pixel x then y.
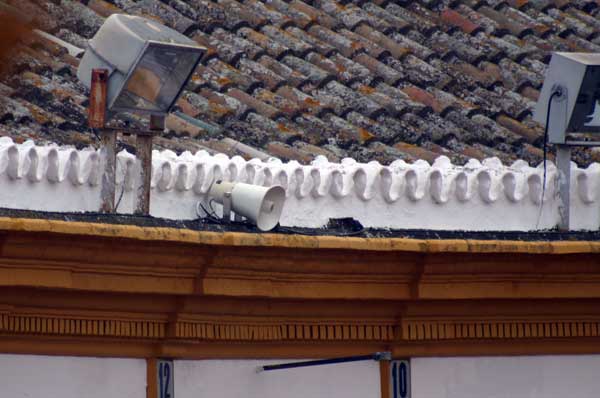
{"type": "Point", "coordinates": [177, 235]}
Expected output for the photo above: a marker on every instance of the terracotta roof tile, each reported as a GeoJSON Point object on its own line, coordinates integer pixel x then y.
{"type": "Point", "coordinates": [299, 47]}
{"type": "Point", "coordinates": [252, 17]}
{"type": "Point", "coordinates": [420, 72]}
{"type": "Point", "coordinates": [255, 104]}
{"type": "Point", "coordinates": [385, 154]}
{"type": "Point", "coordinates": [530, 93]}
{"type": "Point", "coordinates": [314, 73]}
{"type": "Point", "coordinates": [103, 8]}
{"type": "Point", "coordinates": [452, 17]}
{"type": "Point", "coordinates": [369, 79]}
{"type": "Point", "coordinates": [320, 17]}
{"type": "Point", "coordinates": [270, 12]}
{"type": "Point", "coordinates": [233, 105]}
{"type": "Point", "coordinates": [345, 46]}
{"type": "Point", "coordinates": [423, 25]}
{"type": "Point", "coordinates": [578, 26]}
{"type": "Point", "coordinates": [316, 151]}
{"type": "Point", "coordinates": [586, 19]}
{"type": "Point", "coordinates": [230, 52]}
{"type": "Point", "coordinates": [506, 23]}
{"type": "Point", "coordinates": [166, 14]}
{"type": "Point", "coordinates": [288, 152]}
{"type": "Point", "coordinates": [212, 16]}
{"type": "Point", "coordinates": [241, 45]}
{"type": "Point", "coordinates": [399, 24]}
{"type": "Point", "coordinates": [208, 108]}
{"type": "Point", "coordinates": [292, 77]}
{"type": "Point", "coordinates": [379, 131]}
{"type": "Point", "coordinates": [222, 76]}
{"type": "Point", "coordinates": [272, 47]}
{"type": "Point", "coordinates": [317, 131]}
{"type": "Point", "coordinates": [397, 50]}
{"type": "Point", "coordinates": [392, 105]}
{"type": "Point", "coordinates": [486, 24]}
{"type": "Point", "coordinates": [300, 19]}
{"type": "Point", "coordinates": [287, 107]}
{"type": "Point", "coordinates": [416, 48]}
{"type": "Point", "coordinates": [417, 152]}
{"type": "Point", "coordinates": [469, 76]}
{"type": "Point", "coordinates": [371, 48]}
{"type": "Point", "coordinates": [346, 133]}
{"type": "Point", "coordinates": [304, 102]}
{"type": "Point", "coordinates": [266, 76]}
{"type": "Point", "coordinates": [232, 148]}
{"type": "Point", "coordinates": [274, 130]}
{"type": "Point", "coordinates": [321, 47]}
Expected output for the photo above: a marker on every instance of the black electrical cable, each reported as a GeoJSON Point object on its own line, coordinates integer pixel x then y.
{"type": "Point", "coordinates": [300, 232]}
{"type": "Point", "coordinates": [210, 215]}
{"type": "Point", "coordinates": [96, 134]}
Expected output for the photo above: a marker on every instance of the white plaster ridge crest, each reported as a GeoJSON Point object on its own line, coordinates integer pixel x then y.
{"type": "Point", "coordinates": [336, 188]}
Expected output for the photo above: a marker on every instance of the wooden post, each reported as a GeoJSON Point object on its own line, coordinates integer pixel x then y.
{"type": "Point", "coordinates": [384, 378]}
{"type": "Point", "coordinates": [109, 160]}
{"type": "Point", "coordinates": [151, 379]}
{"type": "Point", "coordinates": [144, 153]}
{"type": "Point", "coordinates": [563, 163]}
{"type": "Point", "coordinates": [97, 120]}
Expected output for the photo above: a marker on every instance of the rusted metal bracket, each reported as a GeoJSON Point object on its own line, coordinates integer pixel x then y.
{"type": "Point", "coordinates": [97, 108]}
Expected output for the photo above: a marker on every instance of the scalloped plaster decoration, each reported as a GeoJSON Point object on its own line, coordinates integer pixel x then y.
{"type": "Point", "coordinates": [477, 196]}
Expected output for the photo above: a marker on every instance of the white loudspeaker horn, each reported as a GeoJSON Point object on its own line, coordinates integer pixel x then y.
{"type": "Point", "coordinates": [262, 205]}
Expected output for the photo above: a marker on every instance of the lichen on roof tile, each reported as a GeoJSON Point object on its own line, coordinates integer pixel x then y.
{"type": "Point", "coordinates": [326, 73]}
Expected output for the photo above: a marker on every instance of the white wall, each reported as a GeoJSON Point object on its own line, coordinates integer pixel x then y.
{"type": "Point", "coordinates": [506, 377]}
{"type": "Point", "coordinates": [238, 379]}
{"type": "Point", "coordinates": [34, 376]}
{"type": "Point", "coordinates": [478, 196]}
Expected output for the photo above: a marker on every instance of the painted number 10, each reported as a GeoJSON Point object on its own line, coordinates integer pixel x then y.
{"type": "Point", "coordinates": [165, 379]}
{"type": "Point", "coordinates": [400, 372]}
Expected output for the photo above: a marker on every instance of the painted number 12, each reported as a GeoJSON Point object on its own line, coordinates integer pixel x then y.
{"type": "Point", "coordinates": [164, 379]}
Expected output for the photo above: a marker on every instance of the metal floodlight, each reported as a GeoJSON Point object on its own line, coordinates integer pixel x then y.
{"type": "Point", "coordinates": [569, 98]}
{"type": "Point", "coordinates": [148, 64]}
{"type": "Point", "coordinates": [569, 103]}
{"type": "Point", "coordinates": [136, 65]}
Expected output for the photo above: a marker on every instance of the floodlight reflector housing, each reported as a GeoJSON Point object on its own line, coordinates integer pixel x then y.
{"type": "Point", "coordinates": [577, 109]}
{"type": "Point", "coordinates": [148, 63]}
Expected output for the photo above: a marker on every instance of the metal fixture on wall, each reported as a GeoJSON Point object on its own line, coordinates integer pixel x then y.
{"type": "Point", "coordinates": [261, 205]}
{"type": "Point", "coordinates": [134, 65]}
{"type": "Point", "coordinates": [569, 103]}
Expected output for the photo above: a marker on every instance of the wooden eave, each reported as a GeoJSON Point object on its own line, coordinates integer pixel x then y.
{"type": "Point", "coordinates": [102, 289]}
